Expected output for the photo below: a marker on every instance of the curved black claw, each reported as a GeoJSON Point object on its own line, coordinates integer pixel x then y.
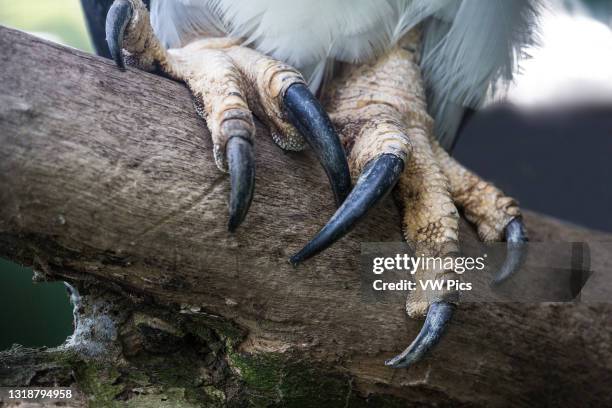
{"type": "Point", "coordinates": [309, 117]}
{"type": "Point", "coordinates": [241, 163]}
{"type": "Point", "coordinates": [438, 317]}
{"type": "Point", "coordinates": [117, 19]}
{"type": "Point", "coordinates": [516, 244]}
{"type": "Point", "coordinates": [377, 179]}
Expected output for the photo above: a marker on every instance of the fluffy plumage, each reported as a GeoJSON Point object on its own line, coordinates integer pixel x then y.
{"type": "Point", "coordinates": [469, 46]}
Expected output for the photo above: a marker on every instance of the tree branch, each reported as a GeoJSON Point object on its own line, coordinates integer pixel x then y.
{"type": "Point", "coordinates": [107, 180]}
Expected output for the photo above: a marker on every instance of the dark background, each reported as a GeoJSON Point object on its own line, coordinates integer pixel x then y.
{"type": "Point", "coordinates": [558, 162]}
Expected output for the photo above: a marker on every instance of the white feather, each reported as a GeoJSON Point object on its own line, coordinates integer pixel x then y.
{"type": "Point", "coordinates": [465, 58]}
{"type": "Point", "coordinates": [468, 45]}
{"type": "Point", "coordinates": [177, 22]}
{"type": "Point", "coordinates": [304, 32]}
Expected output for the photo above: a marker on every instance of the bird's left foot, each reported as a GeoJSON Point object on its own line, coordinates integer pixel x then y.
{"type": "Point", "coordinates": [380, 112]}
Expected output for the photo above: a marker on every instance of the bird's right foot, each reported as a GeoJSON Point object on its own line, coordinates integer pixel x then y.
{"type": "Point", "coordinates": [230, 83]}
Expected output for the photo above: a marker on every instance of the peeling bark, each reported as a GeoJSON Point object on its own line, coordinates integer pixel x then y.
{"type": "Point", "coordinates": [107, 181]}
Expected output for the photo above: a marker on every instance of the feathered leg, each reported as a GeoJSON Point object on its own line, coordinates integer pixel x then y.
{"type": "Point", "coordinates": [228, 82]}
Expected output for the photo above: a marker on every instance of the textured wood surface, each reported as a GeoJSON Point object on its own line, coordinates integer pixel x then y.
{"type": "Point", "coordinates": [109, 175]}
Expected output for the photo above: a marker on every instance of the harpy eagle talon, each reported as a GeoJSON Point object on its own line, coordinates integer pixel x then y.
{"type": "Point", "coordinates": [314, 124]}
{"type": "Point", "coordinates": [436, 322]}
{"type": "Point", "coordinates": [377, 179]}
{"type": "Point", "coordinates": [516, 250]}
{"type": "Point", "coordinates": [231, 124]}
{"type": "Point", "coordinates": [117, 19]}
{"type": "Point", "coordinates": [241, 163]}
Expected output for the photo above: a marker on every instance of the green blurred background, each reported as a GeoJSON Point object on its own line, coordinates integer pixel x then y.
{"type": "Point", "coordinates": [38, 314]}
{"type": "Point", "coordinates": [59, 20]}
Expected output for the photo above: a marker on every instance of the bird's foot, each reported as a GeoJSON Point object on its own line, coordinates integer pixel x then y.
{"type": "Point", "coordinates": [496, 216]}
{"type": "Point", "coordinates": [230, 83]}
{"type": "Point", "coordinates": [380, 112]}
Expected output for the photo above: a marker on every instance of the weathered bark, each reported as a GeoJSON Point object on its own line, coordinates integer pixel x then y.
{"type": "Point", "coordinates": [107, 181]}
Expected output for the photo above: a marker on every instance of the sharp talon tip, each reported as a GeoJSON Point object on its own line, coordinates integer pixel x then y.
{"type": "Point", "coordinates": [516, 239]}
{"type": "Point", "coordinates": [436, 322]}
{"type": "Point", "coordinates": [389, 363]}
{"type": "Point", "coordinates": [309, 117]}
{"type": "Point", "coordinates": [395, 364]}
{"type": "Point", "coordinates": [233, 224]}
{"type": "Point", "coordinates": [295, 259]}
{"type": "Point", "coordinates": [378, 178]}
{"type": "Point", "coordinates": [241, 163]}
{"type": "Point", "coordinates": [117, 19]}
